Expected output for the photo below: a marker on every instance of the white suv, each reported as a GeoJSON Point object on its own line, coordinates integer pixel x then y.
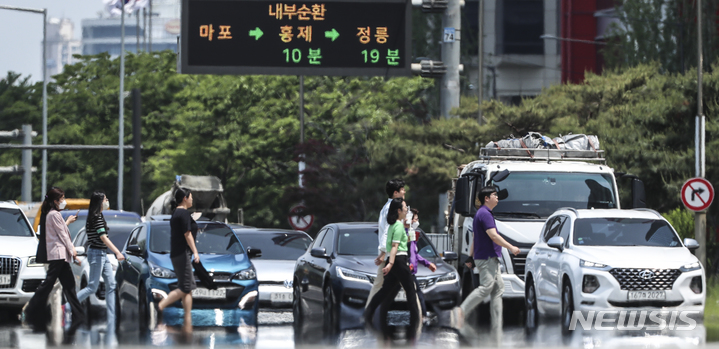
{"type": "Point", "coordinates": [20, 275]}
{"type": "Point", "coordinates": [611, 260]}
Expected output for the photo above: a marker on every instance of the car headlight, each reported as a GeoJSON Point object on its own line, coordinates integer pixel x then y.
{"type": "Point", "coordinates": [247, 274]}
{"type": "Point", "coordinates": [690, 267]}
{"type": "Point", "coordinates": [32, 262]}
{"type": "Point", "coordinates": [447, 278]}
{"type": "Point", "coordinates": [349, 274]}
{"type": "Point", "coordinates": [160, 272]}
{"type": "Point", "coordinates": [588, 264]}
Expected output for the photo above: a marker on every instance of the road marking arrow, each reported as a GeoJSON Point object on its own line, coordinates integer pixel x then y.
{"type": "Point", "coordinates": [257, 33]}
{"type": "Point", "coordinates": [332, 34]}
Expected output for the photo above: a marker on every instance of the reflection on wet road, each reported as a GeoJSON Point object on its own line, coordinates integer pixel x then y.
{"type": "Point", "coordinates": [276, 330]}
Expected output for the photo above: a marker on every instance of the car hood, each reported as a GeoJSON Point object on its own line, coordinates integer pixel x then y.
{"type": "Point", "coordinates": [18, 246]}
{"type": "Point", "coordinates": [274, 270]}
{"type": "Point", "coordinates": [636, 256]}
{"type": "Point", "coordinates": [520, 231]}
{"type": "Point", "coordinates": [230, 263]}
{"type": "Point", "coordinates": [366, 264]}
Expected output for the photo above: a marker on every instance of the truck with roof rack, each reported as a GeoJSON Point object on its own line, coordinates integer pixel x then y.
{"type": "Point", "coordinates": [532, 182]}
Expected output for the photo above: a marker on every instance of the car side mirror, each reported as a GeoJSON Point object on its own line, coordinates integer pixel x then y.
{"type": "Point", "coordinates": [319, 252]}
{"type": "Point", "coordinates": [133, 250]}
{"type": "Point", "coordinates": [80, 250]}
{"type": "Point", "coordinates": [449, 256]}
{"type": "Point", "coordinates": [691, 244]}
{"type": "Point", "coordinates": [253, 252]}
{"type": "Point", "coordinates": [499, 176]}
{"type": "Point", "coordinates": [556, 242]}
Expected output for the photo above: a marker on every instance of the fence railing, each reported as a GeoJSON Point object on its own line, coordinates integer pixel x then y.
{"type": "Point", "coordinates": [441, 242]}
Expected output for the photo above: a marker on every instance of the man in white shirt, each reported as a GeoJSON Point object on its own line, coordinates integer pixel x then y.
{"type": "Point", "coordinates": [394, 189]}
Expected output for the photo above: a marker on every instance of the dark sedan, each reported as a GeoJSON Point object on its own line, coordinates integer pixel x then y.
{"type": "Point", "coordinates": [335, 275]}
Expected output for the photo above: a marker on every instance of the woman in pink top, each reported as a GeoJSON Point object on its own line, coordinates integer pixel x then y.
{"type": "Point", "coordinates": [58, 251]}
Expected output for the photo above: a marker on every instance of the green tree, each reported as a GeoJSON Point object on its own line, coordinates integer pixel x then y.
{"type": "Point", "coordinates": [661, 31]}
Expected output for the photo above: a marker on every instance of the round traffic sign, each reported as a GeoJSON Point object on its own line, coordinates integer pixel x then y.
{"type": "Point", "coordinates": [697, 194]}
{"type": "Point", "coordinates": [298, 219]}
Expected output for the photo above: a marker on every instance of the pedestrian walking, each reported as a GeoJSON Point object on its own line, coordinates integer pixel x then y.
{"type": "Point", "coordinates": [183, 232]}
{"type": "Point", "coordinates": [415, 257]}
{"type": "Point", "coordinates": [394, 189]}
{"type": "Point", "coordinates": [97, 245]}
{"type": "Point", "coordinates": [57, 250]}
{"type": "Point", "coordinates": [485, 252]}
{"type": "Point", "coordinates": [396, 272]}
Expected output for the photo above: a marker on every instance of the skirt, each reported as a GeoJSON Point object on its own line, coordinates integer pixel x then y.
{"type": "Point", "coordinates": [183, 269]}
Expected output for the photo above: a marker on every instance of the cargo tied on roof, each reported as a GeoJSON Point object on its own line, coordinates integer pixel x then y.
{"type": "Point", "coordinates": [536, 145]}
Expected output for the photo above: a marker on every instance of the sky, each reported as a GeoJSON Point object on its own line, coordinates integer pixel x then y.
{"type": "Point", "coordinates": [21, 32]}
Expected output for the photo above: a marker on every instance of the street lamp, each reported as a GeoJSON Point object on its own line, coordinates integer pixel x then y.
{"type": "Point", "coordinates": [44, 86]}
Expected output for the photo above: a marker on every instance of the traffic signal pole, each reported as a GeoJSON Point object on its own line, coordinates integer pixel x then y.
{"type": "Point", "coordinates": [449, 90]}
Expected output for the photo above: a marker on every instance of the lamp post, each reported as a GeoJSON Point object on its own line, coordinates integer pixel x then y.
{"type": "Point", "coordinates": [44, 85]}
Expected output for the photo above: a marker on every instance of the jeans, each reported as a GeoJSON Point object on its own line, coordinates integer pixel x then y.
{"type": "Point", "coordinates": [100, 264]}
{"type": "Point", "coordinates": [490, 284]}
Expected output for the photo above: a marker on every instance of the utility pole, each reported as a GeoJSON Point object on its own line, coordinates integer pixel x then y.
{"type": "Point", "coordinates": [121, 126]}
{"type": "Point", "coordinates": [480, 62]}
{"type": "Point", "coordinates": [26, 192]}
{"type": "Point", "coordinates": [449, 90]}
{"type": "Point", "coordinates": [700, 218]}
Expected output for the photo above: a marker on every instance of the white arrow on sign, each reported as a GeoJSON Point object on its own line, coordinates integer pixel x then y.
{"type": "Point", "coordinates": [697, 194]}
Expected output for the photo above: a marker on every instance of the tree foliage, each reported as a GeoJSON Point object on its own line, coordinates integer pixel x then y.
{"type": "Point", "coordinates": [663, 31]}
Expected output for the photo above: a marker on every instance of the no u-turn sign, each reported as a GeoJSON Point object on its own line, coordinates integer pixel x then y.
{"type": "Point", "coordinates": [697, 194]}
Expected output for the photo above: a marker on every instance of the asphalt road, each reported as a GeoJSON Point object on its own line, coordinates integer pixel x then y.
{"type": "Point", "coordinates": [276, 331]}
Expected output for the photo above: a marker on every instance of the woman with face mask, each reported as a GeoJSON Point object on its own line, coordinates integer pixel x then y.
{"type": "Point", "coordinates": [58, 251]}
{"type": "Point", "coordinates": [97, 245]}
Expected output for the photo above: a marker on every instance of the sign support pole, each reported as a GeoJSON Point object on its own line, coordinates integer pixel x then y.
{"type": "Point", "coordinates": [700, 218]}
{"type": "Point", "coordinates": [302, 126]}
{"type": "Point", "coordinates": [449, 90]}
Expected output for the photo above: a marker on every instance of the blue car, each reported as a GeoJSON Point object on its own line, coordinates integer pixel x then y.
{"type": "Point", "coordinates": [146, 276]}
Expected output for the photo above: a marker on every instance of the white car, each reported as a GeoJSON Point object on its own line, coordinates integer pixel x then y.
{"type": "Point", "coordinates": [20, 275]}
{"type": "Point", "coordinates": [276, 263]}
{"type": "Point", "coordinates": [613, 260]}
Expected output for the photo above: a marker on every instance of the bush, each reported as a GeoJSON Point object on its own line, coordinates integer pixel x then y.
{"type": "Point", "coordinates": [682, 220]}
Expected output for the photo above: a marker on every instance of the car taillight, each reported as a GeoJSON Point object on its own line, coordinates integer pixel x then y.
{"type": "Point", "coordinates": [590, 284]}
{"type": "Point", "coordinates": [696, 284]}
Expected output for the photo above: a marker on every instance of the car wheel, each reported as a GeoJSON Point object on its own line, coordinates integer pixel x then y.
{"type": "Point", "coordinates": [532, 314]}
{"type": "Point", "coordinates": [296, 305]}
{"type": "Point", "coordinates": [567, 306]}
{"type": "Point", "coordinates": [329, 318]}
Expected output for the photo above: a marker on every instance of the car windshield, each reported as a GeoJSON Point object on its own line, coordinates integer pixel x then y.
{"type": "Point", "coordinates": [424, 247]}
{"type": "Point", "coordinates": [359, 242]}
{"type": "Point", "coordinates": [539, 194]}
{"type": "Point", "coordinates": [624, 232]}
{"type": "Point", "coordinates": [211, 239]}
{"type": "Point", "coordinates": [13, 223]}
{"type": "Point", "coordinates": [277, 245]}
{"type": "Point", "coordinates": [111, 219]}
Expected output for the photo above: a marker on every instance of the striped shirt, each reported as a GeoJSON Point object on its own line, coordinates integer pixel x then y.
{"type": "Point", "coordinates": [95, 228]}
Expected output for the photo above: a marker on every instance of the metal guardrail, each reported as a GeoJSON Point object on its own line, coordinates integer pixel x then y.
{"type": "Point", "coordinates": [441, 242]}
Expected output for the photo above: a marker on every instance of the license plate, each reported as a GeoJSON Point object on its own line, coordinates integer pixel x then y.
{"type": "Point", "coordinates": [203, 293]}
{"type": "Point", "coordinates": [401, 296]}
{"type": "Point", "coordinates": [648, 295]}
{"type": "Point", "coordinates": [281, 297]}
{"type": "Point", "coordinates": [5, 279]}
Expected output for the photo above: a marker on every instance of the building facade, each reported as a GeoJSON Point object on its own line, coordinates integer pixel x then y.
{"type": "Point", "coordinates": [61, 45]}
{"type": "Point", "coordinates": [143, 32]}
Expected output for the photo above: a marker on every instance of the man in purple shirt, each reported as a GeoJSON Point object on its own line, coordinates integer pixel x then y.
{"type": "Point", "coordinates": [485, 251]}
